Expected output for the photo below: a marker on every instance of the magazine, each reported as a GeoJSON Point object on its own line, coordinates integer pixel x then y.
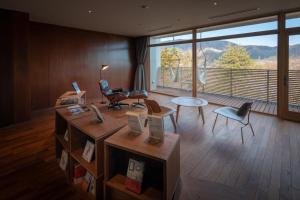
{"type": "Point", "coordinates": [134, 122]}
{"type": "Point", "coordinates": [135, 173]}
{"type": "Point", "coordinates": [88, 151]}
{"type": "Point", "coordinates": [156, 128]}
{"type": "Point", "coordinates": [63, 160]}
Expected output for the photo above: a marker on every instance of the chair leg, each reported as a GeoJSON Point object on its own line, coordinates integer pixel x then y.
{"type": "Point", "coordinates": [173, 121]}
{"type": "Point", "coordinates": [252, 129]}
{"type": "Point", "coordinates": [146, 121]}
{"type": "Point", "coordinates": [242, 135]}
{"type": "Point", "coordinates": [215, 123]}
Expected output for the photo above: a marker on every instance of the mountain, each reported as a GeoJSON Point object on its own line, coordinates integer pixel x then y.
{"type": "Point", "coordinates": [294, 50]}
{"type": "Point", "coordinates": [214, 49]}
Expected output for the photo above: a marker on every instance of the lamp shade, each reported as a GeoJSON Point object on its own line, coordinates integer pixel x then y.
{"type": "Point", "coordinates": [104, 67]}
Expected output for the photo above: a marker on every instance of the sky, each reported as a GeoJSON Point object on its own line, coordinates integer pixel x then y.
{"type": "Point", "coordinates": [268, 40]}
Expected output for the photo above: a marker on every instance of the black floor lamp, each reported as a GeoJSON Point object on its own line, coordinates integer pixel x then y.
{"type": "Point", "coordinates": [102, 68]}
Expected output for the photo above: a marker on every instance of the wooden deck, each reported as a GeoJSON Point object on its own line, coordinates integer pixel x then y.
{"type": "Point", "coordinates": [258, 106]}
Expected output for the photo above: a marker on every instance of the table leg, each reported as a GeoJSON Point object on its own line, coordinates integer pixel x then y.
{"type": "Point", "coordinates": [177, 112]}
{"type": "Point", "coordinates": [202, 113]}
{"type": "Point", "coordinates": [199, 109]}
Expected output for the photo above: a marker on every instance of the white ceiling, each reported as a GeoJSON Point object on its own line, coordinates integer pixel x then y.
{"type": "Point", "coordinates": [126, 17]}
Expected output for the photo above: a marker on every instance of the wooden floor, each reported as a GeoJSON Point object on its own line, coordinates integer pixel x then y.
{"type": "Point", "coordinates": [213, 166]}
{"type": "Point", "coordinates": [258, 106]}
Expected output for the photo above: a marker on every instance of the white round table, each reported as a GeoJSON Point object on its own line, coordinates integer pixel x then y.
{"type": "Point", "coordinates": [190, 102]}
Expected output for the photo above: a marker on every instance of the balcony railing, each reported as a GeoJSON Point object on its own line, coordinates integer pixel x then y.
{"type": "Point", "coordinates": [255, 84]}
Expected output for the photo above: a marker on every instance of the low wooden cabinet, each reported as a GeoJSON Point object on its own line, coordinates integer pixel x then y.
{"type": "Point", "coordinates": [83, 127]}
{"type": "Point", "coordinates": [162, 165]}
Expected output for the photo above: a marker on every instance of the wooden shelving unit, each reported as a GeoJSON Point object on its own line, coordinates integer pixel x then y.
{"type": "Point", "coordinates": [83, 127]}
{"type": "Point", "coordinates": [162, 165]}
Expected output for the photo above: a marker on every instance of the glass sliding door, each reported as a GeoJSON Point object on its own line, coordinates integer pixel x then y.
{"type": "Point", "coordinates": [294, 73]}
{"type": "Point", "coordinates": [171, 69]}
{"type": "Point", "coordinates": [239, 68]}
{"type": "Point", "coordinates": [290, 89]}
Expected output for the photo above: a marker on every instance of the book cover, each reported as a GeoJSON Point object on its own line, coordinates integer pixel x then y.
{"type": "Point", "coordinates": [156, 128]}
{"type": "Point", "coordinates": [66, 136]}
{"type": "Point", "coordinates": [63, 160]}
{"type": "Point", "coordinates": [135, 173]}
{"type": "Point", "coordinates": [92, 187]}
{"type": "Point", "coordinates": [134, 122]}
{"type": "Point", "coordinates": [79, 171]}
{"type": "Point", "coordinates": [88, 151]}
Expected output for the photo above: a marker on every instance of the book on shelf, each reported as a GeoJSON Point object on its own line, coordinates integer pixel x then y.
{"type": "Point", "coordinates": [66, 136]}
{"type": "Point", "coordinates": [63, 160]}
{"type": "Point", "coordinates": [79, 173]}
{"type": "Point", "coordinates": [90, 180]}
{"type": "Point", "coordinates": [92, 186]}
{"type": "Point", "coordinates": [135, 173]}
{"type": "Point", "coordinates": [156, 128]}
{"type": "Point", "coordinates": [87, 183]}
{"type": "Point", "coordinates": [134, 122]}
{"type": "Point", "coordinates": [89, 150]}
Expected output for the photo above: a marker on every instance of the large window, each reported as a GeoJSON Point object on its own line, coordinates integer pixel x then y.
{"type": "Point", "coordinates": [265, 24]}
{"type": "Point", "coordinates": [238, 67]}
{"type": "Point", "coordinates": [171, 69]}
{"type": "Point", "coordinates": [293, 20]}
{"type": "Point", "coordinates": [236, 60]}
{"type": "Point", "coordinates": [173, 37]}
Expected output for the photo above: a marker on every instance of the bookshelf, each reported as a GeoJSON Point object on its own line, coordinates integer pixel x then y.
{"type": "Point", "coordinates": [83, 127]}
{"type": "Point", "coordinates": [62, 119]}
{"type": "Point", "coordinates": [162, 165]}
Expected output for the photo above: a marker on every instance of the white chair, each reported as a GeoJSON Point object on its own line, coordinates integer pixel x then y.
{"type": "Point", "coordinates": [241, 115]}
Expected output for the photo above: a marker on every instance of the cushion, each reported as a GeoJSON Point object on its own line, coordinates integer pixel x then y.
{"type": "Point", "coordinates": [242, 111]}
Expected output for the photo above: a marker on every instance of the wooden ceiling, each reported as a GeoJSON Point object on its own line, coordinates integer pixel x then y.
{"type": "Point", "coordinates": [142, 17]}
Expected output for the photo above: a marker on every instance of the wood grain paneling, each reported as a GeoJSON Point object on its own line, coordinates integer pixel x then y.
{"type": "Point", "coordinates": [60, 55]}
{"type": "Point", "coordinates": [14, 69]}
{"type": "Point", "coordinates": [22, 97]}
{"type": "Point", "coordinates": [6, 72]}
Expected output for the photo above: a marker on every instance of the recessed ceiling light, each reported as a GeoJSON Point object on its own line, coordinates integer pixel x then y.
{"type": "Point", "coordinates": [145, 6]}
{"type": "Point", "coordinates": [215, 3]}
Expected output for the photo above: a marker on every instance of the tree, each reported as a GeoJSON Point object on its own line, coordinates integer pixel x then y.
{"type": "Point", "coordinates": [170, 57]}
{"type": "Point", "coordinates": [235, 57]}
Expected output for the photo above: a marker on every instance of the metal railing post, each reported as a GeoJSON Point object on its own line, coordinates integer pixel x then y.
{"type": "Point", "coordinates": [230, 82]}
{"type": "Point", "coordinates": [180, 75]}
{"type": "Point", "coordinates": [163, 73]}
{"type": "Point", "coordinates": [268, 83]}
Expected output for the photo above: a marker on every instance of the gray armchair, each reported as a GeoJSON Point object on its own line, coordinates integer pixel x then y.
{"type": "Point", "coordinates": [241, 115]}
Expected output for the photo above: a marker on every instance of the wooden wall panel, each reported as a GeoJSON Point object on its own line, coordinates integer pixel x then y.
{"type": "Point", "coordinates": [14, 69]}
{"type": "Point", "coordinates": [60, 55]}
{"type": "Point", "coordinates": [22, 94]}
{"type": "Point", "coordinates": [6, 71]}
